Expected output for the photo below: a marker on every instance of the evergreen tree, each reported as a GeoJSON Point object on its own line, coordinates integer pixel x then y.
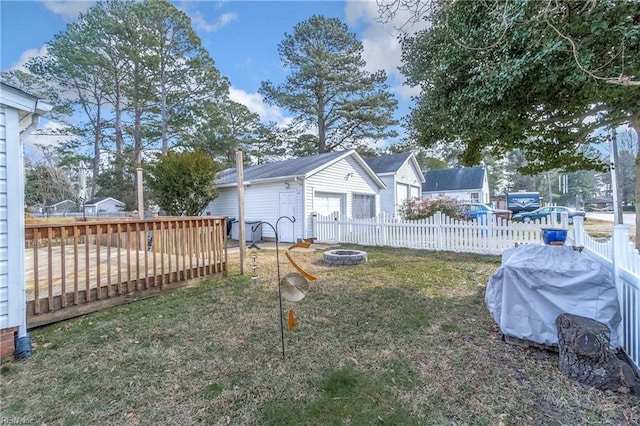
{"type": "Point", "coordinates": [328, 90]}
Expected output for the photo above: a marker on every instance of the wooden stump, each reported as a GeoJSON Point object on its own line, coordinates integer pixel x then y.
{"type": "Point", "coordinates": [585, 355]}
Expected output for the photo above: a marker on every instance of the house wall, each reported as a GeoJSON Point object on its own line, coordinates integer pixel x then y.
{"type": "Point", "coordinates": [408, 184]}
{"type": "Point", "coordinates": [4, 267]}
{"type": "Point", "coordinates": [456, 195]}
{"type": "Point", "coordinates": [105, 206]}
{"type": "Point", "coordinates": [388, 195]}
{"type": "Point", "coordinates": [66, 206]}
{"type": "Point", "coordinates": [12, 297]}
{"type": "Point", "coordinates": [261, 203]}
{"type": "Point", "coordinates": [109, 205]}
{"type": "Point", "coordinates": [344, 177]}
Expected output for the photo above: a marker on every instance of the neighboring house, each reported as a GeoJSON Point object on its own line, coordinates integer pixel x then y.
{"type": "Point", "coordinates": [468, 184]}
{"type": "Point", "coordinates": [19, 113]}
{"type": "Point", "coordinates": [335, 182]}
{"type": "Point", "coordinates": [103, 206]}
{"type": "Point", "coordinates": [402, 176]}
{"type": "Point", "coordinates": [600, 203]}
{"type": "Point", "coordinates": [65, 206]}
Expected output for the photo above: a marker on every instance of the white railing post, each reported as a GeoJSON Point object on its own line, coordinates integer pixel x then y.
{"type": "Point", "coordinates": [383, 231]}
{"type": "Point", "coordinates": [438, 223]}
{"type": "Point", "coordinates": [620, 239]}
{"type": "Point", "coordinates": [578, 231]}
{"type": "Point", "coordinates": [564, 220]}
{"type": "Point", "coordinates": [314, 225]}
{"type": "Point", "coordinates": [493, 219]}
{"type": "Point", "coordinates": [336, 229]}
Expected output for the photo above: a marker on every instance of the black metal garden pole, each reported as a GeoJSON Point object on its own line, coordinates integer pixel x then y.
{"type": "Point", "coordinates": [275, 231]}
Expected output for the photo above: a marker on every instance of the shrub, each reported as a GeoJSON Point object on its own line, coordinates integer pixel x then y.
{"type": "Point", "coordinates": [419, 208]}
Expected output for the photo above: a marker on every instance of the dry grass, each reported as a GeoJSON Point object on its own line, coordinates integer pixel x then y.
{"type": "Point", "coordinates": [601, 230]}
{"type": "Point", "coordinates": [404, 339]}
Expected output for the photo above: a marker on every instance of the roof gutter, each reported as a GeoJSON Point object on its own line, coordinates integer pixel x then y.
{"type": "Point", "coordinates": [297, 178]}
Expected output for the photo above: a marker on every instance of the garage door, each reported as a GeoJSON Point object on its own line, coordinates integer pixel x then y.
{"type": "Point", "coordinates": [402, 192]}
{"type": "Point", "coordinates": [326, 203]}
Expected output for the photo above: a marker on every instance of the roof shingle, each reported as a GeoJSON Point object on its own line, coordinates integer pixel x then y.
{"type": "Point", "coordinates": [456, 179]}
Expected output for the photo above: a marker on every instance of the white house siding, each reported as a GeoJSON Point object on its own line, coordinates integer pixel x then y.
{"type": "Point", "coordinates": [456, 195]}
{"type": "Point", "coordinates": [225, 204]}
{"type": "Point", "coordinates": [12, 297]}
{"type": "Point", "coordinates": [344, 177]}
{"type": "Point", "coordinates": [405, 183]}
{"type": "Point", "coordinates": [4, 279]}
{"type": "Point", "coordinates": [402, 193]}
{"type": "Point", "coordinates": [388, 195]}
{"type": "Point", "coordinates": [261, 203]}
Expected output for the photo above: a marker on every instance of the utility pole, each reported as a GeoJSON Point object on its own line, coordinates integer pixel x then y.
{"type": "Point", "coordinates": [241, 231]}
{"type": "Point", "coordinates": [615, 177]}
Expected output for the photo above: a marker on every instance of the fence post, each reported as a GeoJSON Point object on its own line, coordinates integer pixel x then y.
{"type": "Point", "coordinates": [336, 228]}
{"type": "Point", "coordinates": [314, 225]}
{"type": "Point", "coordinates": [619, 246]}
{"type": "Point", "coordinates": [564, 220]}
{"type": "Point", "coordinates": [382, 218]}
{"type": "Point", "coordinates": [578, 231]}
{"type": "Point", "coordinates": [491, 226]}
{"type": "Point", "coordinates": [438, 223]}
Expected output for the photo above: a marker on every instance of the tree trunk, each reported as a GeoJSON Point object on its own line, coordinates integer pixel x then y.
{"type": "Point", "coordinates": [585, 355]}
{"type": "Point", "coordinates": [96, 154]}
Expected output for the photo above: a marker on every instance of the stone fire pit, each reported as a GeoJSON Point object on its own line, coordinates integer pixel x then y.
{"type": "Point", "coordinates": [345, 257]}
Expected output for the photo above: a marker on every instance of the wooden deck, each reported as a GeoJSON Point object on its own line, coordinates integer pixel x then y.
{"type": "Point", "coordinates": [75, 268]}
{"type": "Point", "coordinates": [89, 270]}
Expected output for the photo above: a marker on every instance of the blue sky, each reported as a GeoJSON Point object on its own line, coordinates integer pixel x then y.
{"type": "Point", "coordinates": [241, 37]}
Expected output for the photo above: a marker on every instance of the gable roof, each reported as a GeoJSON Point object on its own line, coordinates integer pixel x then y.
{"type": "Point", "coordinates": [59, 203]}
{"type": "Point", "coordinates": [387, 163]}
{"type": "Point", "coordinates": [456, 179]}
{"type": "Point", "coordinates": [391, 163]}
{"type": "Point", "coordinates": [302, 167]}
{"type": "Point", "coordinates": [99, 200]}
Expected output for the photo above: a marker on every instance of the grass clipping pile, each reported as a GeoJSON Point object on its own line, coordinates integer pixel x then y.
{"type": "Point", "coordinates": [403, 339]}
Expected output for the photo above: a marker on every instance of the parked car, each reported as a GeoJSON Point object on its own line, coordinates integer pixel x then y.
{"type": "Point", "coordinates": [472, 211]}
{"type": "Point", "coordinates": [547, 212]}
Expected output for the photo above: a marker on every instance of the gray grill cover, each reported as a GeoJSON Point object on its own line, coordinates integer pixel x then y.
{"type": "Point", "coordinates": [536, 283]}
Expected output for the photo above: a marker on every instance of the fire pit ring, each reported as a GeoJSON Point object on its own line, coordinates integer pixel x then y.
{"type": "Point", "coordinates": [344, 257]}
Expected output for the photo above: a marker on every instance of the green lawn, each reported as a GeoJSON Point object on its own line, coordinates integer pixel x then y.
{"type": "Point", "coordinates": [405, 339]}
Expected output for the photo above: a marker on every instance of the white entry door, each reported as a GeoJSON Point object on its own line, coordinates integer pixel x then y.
{"type": "Point", "coordinates": [287, 207]}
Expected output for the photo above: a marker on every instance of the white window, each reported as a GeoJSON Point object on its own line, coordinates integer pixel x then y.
{"type": "Point", "coordinates": [364, 206]}
{"type": "Point", "coordinates": [475, 197]}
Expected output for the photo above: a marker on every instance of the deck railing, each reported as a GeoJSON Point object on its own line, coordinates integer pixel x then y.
{"type": "Point", "coordinates": [76, 268]}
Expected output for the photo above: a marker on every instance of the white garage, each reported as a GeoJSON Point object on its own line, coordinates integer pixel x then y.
{"type": "Point", "coordinates": [321, 184]}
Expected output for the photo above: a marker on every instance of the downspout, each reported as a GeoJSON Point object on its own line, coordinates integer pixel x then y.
{"type": "Point", "coordinates": [22, 343]}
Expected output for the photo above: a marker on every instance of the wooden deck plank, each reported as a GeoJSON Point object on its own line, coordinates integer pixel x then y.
{"type": "Point", "coordinates": [87, 255]}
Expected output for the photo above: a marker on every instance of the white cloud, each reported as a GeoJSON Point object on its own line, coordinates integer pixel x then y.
{"type": "Point", "coordinates": [255, 103]}
{"type": "Point", "coordinates": [382, 49]}
{"type": "Point", "coordinates": [200, 23]}
{"type": "Point", "coordinates": [49, 134]}
{"type": "Point", "coordinates": [68, 10]}
{"type": "Point", "coordinates": [26, 56]}
{"type": "Point", "coordinates": [405, 91]}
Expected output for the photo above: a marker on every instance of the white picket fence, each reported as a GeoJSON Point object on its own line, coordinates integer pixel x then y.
{"type": "Point", "coordinates": [619, 255]}
{"type": "Point", "coordinates": [439, 232]}
{"type": "Point", "coordinates": [491, 236]}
